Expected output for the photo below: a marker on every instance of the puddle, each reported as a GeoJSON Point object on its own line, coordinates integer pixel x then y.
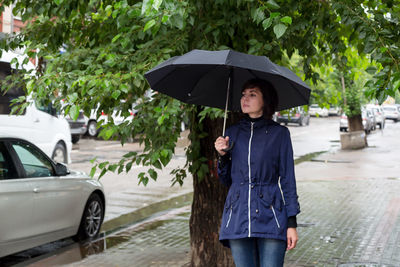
{"type": "Point", "coordinates": [142, 235]}
{"type": "Point", "coordinates": [146, 212]}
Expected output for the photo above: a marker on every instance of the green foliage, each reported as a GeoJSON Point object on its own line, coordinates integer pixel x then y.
{"type": "Point", "coordinates": [109, 45]}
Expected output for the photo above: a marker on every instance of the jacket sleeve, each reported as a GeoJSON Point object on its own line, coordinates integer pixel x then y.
{"type": "Point", "coordinates": [287, 176]}
{"type": "Point", "coordinates": [224, 169]}
{"type": "Point", "coordinates": [225, 163]}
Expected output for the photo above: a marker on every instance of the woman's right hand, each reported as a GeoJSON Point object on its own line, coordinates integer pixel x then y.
{"type": "Point", "coordinates": [221, 143]}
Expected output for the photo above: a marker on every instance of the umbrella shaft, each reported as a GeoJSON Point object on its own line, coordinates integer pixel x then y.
{"type": "Point", "coordinates": [226, 104]}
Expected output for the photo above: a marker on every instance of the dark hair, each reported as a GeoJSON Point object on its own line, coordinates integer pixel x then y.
{"type": "Point", "coordinates": [270, 97]}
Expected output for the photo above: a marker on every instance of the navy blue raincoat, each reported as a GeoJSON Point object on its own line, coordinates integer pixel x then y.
{"type": "Point", "coordinates": [260, 173]}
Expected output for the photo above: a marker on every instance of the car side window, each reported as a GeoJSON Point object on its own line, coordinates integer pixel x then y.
{"type": "Point", "coordinates": [7, 170]}
{"type": "Point", "coordinates": [34, 162]}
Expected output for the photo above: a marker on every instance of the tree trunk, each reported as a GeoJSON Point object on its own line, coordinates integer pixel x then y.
{"type": "Point", "coordinates": [355, 123]}
{"type": "Point", "coordinates": [208, 203]}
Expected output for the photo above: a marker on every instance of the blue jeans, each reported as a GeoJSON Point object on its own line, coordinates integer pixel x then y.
{"type": "Point", "coordinates": [258, 252]}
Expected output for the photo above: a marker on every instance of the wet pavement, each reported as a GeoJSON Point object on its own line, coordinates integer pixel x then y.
{"type": "Point", "coordinates": [350, 202]}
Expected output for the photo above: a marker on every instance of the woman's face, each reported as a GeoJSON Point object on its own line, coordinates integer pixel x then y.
{"type": "Point", "coordinates": [252, 102]}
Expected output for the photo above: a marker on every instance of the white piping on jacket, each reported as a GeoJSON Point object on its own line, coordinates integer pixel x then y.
{"type": "Point", "coordinates": [276, 219]}
{"type": "Point", "coordinates": [280, 188]}
{"type": "Point", "coordinates": [248, 162]}
{"type": "Point", "coordinates": [229, 219]}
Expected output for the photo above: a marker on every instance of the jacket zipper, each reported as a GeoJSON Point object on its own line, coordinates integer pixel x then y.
{"type": "Point", "coordinates": [248, 162]}
{"type": "Point", "coordinates": [276, 219]}
{"type": "Point", "coordinates": [229, 218]}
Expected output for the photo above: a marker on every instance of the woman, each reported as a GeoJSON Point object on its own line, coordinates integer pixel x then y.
{"type": "Point", "coordinates": [259, 218]}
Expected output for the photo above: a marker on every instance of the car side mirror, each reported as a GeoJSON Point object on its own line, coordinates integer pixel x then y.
{"type": "Point", "coordinates": [61, 169]}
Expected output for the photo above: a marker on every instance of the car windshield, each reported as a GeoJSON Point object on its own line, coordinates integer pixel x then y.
{"type": "Point", "coordinates": [389, 109]}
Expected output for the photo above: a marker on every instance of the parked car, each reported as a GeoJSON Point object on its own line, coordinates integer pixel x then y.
{"type": "Point", "coordinates": [93, 128]}
{"type": "Point", "coordinates": [316, 110]}
{"type": "Point", "coordinates": [78, 127]}
{"type": "Point", "coordinates": [379, 115]}
{"type": "Point", "coordinates": [392, 112]}
{"type": "Point", "coordinates": [296, 115]}
{"type": "Point", "coordinates": [42, 201]}
{"type": "Point", "coordinates": [38, 124]}
{"type": "Point", "coordinates": [334, 111]}
{"type": "Point", "coordinates": [367, 121]}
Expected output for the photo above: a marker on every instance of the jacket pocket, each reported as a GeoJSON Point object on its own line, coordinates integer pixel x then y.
{"type": "Point", "coordinates": [231, 207]}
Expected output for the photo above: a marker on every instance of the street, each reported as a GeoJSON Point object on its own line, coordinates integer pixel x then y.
{"type": "Point", "coordinates": [349, 201]}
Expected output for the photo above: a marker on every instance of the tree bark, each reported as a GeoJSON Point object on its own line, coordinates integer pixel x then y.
{"type": "Point", "coordinates": [208, 203]}
{"type": "Point", "coordinates": [355, 123]}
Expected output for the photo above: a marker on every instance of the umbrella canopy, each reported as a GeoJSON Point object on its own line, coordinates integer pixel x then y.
{"type": "Point", "coordinates": [201, 77]}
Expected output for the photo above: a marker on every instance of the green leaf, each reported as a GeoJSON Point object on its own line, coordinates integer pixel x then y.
{"type": "Point", "coordinates": [58, 2]}
{"type": "Point", "coordinates": [153, 174]}
{"type": "Point", "coordinates": [128, 166]}
{"type": "Point", "coordinates": [371, 69]}
{"type": "Point", "coordinates": [164, 18]}
{"type": "Point", "coordinates": [157, 4]}
{"type": "Point", "coordinates": [74, 112]}
{"type": "Point", "coordinates": [116, 37]}
{"type": "Point", "coordinates": [112, 167]}
{"type": "Point", "coordinates": [267, 23]}
{"type": "Point", "coordinates": [164, 153]}
{"type": "Point", "coordinates": [93, 171]}
{"type": "Point", "coordinates": [116, 94]}
{"type": "Point", "coordinates": [396, 85]}
{"type": "Point", "coordinates": [279, 30]}
{"type": "Point", "coordinates": [272, 4]}
{"type": "Point", "coordinates": [103, 164]}
{"type": "Point", "coordinates": [257, 15]}
{"type": "Point", "coordinates": [286, 20]}
{"type": "Point", "coordinates": [149, 24]}
{"type": "Point", "coordinates": [177, 21]}
{"type": "Point", "coordinates": [108, 133]}
{"type": "Point", "coordinates": [130, 154]}
{"type": "Point", "coordinates": [104, 171]}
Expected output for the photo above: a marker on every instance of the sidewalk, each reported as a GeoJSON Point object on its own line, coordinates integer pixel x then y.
{"type": "Point", "coordinates": [350, 202]}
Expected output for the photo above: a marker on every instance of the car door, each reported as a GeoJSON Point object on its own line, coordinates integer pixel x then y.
{"type": "Point", "coordinates": [14, 124]}
{"type": "Point", "coordinates": [16, 203]}
{"type": "Point", "coordinates": [55, 198]}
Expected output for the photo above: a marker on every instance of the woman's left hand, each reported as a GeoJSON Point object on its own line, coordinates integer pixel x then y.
{"type": "Point", "coordinates": [292, 238]}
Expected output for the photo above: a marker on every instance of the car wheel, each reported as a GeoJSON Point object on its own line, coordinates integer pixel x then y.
{"type": "Point", "coordinates": [92, 129]}
{"type": "Point", "coordinates": [75, 138]}
{"type": "Point", "coordinates": [60, 153]}
{"type": "Point", "coordinates": [92, 218]}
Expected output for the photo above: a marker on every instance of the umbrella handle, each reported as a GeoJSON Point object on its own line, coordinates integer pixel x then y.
{"type": "Point", "coordinates": [229, 148]}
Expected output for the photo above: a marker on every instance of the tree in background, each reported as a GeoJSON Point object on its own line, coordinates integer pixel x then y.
{"type": "Point", "coordinates": [108, 46]}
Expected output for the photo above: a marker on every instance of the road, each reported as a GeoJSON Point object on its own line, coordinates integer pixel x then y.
{"type": "Point", "coordinates": [125, 195]}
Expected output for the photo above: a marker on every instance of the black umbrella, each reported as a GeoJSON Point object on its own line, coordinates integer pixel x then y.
{"type": "Point", "coordinates": [215, 79]}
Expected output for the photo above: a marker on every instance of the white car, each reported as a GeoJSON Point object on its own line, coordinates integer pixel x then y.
{"type": "Point", "coordinates": [92, 123]}
{"type": "Point", "coordinates": [40, 125]}
{"type": "Point", "coordinates": [315, 110]}
{"type": "Point", "coordinates": [392, 112]}
{"type": "Point", "coordinates": [41, 201]}
{"type": "Point", "coordinates": [379, 115]}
